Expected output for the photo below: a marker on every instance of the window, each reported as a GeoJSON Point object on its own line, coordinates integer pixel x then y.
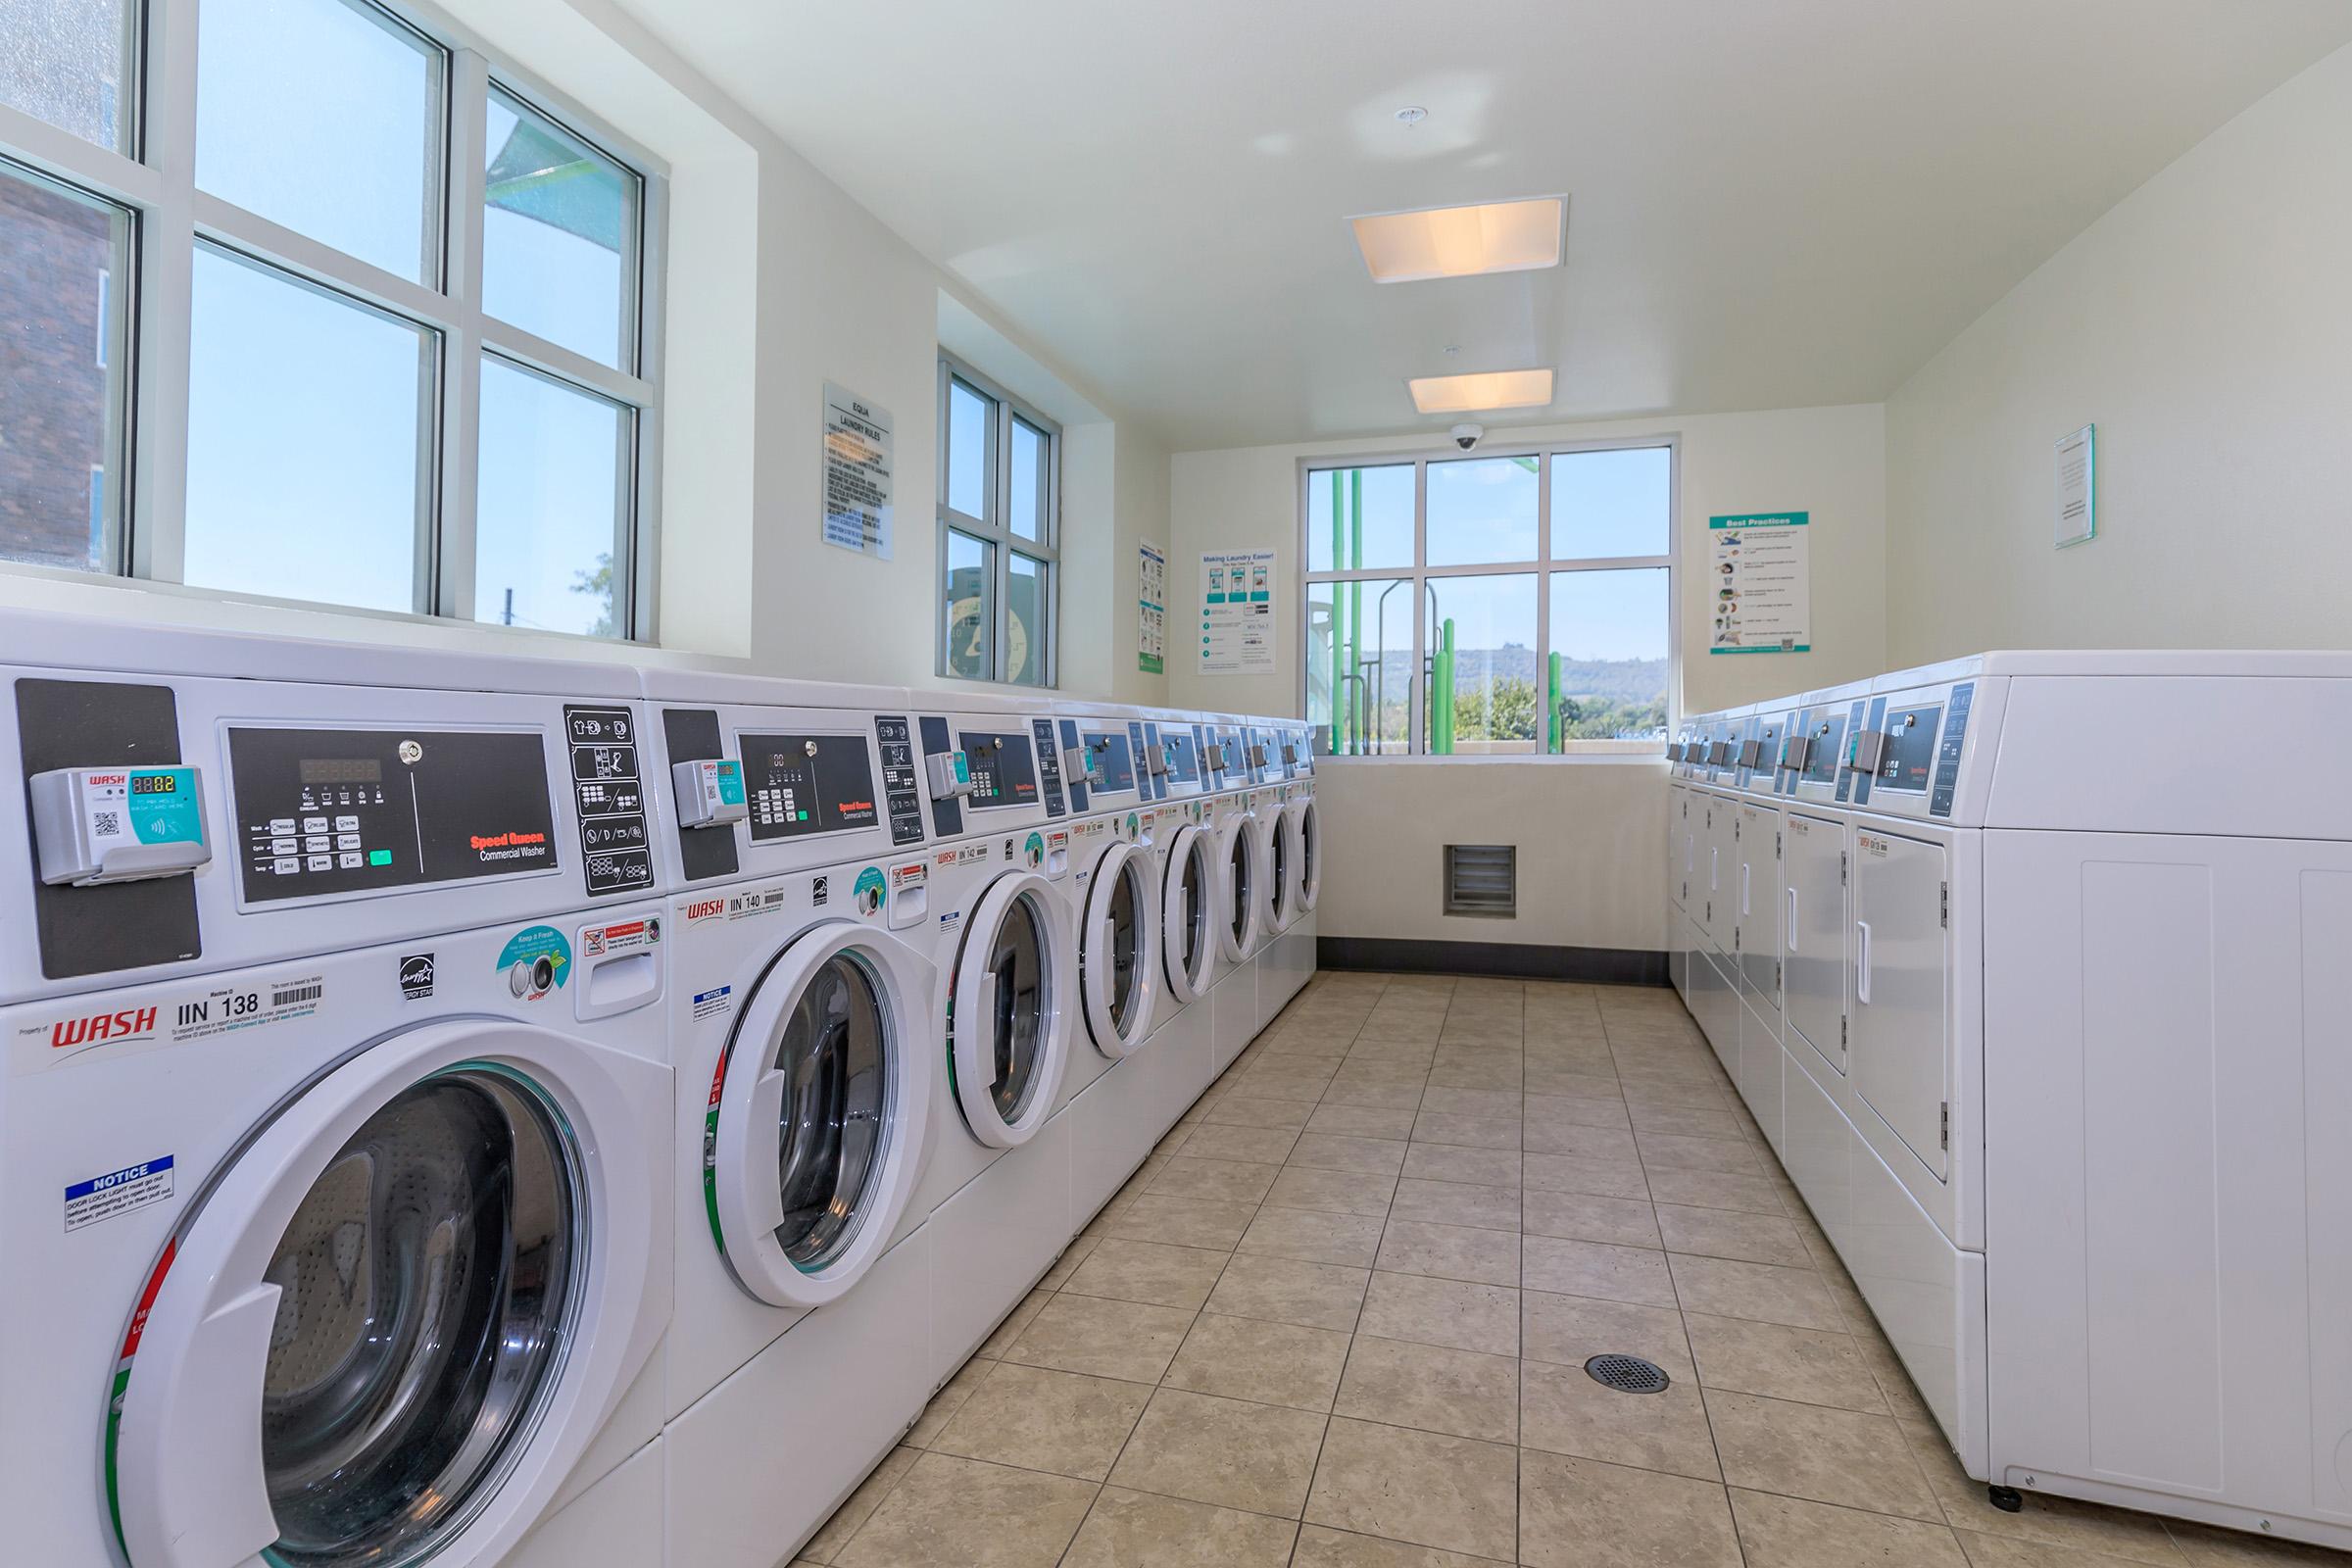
{"type": "Point", "coordinates": [419, 374]}
{"type": "Point", "coordinates": [1521, 602]}
{"type": "Point", "coordinates": [999, 524]}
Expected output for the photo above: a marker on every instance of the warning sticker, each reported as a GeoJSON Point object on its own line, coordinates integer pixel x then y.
{"type": "Point", "coordinates": [118, 1193]}
{"type": "Point", "coordinates": [621, 936]}
{"type": "Point", "coordinates": [709, 1004]}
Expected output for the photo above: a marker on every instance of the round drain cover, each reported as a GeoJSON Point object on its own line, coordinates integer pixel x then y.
{"type": "Point", "coordinates": [1627, 1374]}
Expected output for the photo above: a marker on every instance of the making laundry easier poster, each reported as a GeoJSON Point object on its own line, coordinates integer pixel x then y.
{"type": "Point", "coordinates": [1237, 611]}
{"type": "Point", "coordinates": [1758, 583]}
{"type": "Point", "coordinates": [1152, 609]}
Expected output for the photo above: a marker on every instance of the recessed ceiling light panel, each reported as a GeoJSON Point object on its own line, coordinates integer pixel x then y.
{"type": "Point", "coordinates": [1463, 241]}
{"type": "Point", "coordinates": [1485, 389]}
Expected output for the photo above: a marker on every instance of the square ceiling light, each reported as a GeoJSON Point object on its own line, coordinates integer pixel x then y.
{"type": "Point", "coordinates": [1463, 241]}
{"type": "Point", "coordinates": [1484, 390]}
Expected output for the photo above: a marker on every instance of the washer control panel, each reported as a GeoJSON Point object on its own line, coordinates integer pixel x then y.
{"type": "Point", "coordinates": [323, 811]}
{"type": "Point", "coordinates": [797, 785]}
{"type": "Point", "coordinates": [1004, 767]}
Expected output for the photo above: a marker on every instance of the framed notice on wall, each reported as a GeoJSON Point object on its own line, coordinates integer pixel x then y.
{"type": "Point", "coordinates": [857, 473]}
{"type": "Point", "coordinates": [1760, 598]}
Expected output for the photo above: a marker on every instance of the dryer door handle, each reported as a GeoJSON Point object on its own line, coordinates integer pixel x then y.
{"type": "Point", "coordinates": [1788, 934]}
{"type": "Point", "coordinates": [1745, 879]}
{"type": "Point", "coordinates": [1862, 962]}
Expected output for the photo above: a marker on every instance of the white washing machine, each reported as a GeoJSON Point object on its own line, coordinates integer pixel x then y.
{"type": "Point", "coordinates": [808, 1076]}
{"type": "Point", "coordinates": [1183, 848]}
{"type": "Point", "coordinates": [997, 1181]}
{"type": "Point", "coordinates": [1146, 1078]}
{"type": "Point", "coordinates": [1237, 903]}
{"type": "Point", "coordinates": [1297, 846]}
{"type": "Point", "coordinates": [338, 1180]}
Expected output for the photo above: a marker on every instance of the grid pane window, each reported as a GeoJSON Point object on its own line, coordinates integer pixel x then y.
{"type": "Point", "coordinates": [1484, 697]}
{"type": "Point", "coordinates": [372, 413]}
{"type": "Point", "coordinates": [1537, 614]}
{"type": "Point", "coordinates": [559, 234]}
{"type": "Point", "coordinates": [1359, 518]}
{"type": "Point", "coordinates": [970, 451]}
{"type": "Point", "coordinates": [320, 116]}
{"type": "Point", "coordinates": [68, 62]}
{"type": "Point", "coordinates": [1610, 503]}
{"type": "Point", "coordinates": [549, 532]}
{"type": "Point", "coordinates": [1360, 644]}
{"type": "Point", "coordinates": [969, 631]}
{"type": "Point", "coordinates": [1025, 514]}
{"type": "Point", "coordinates": [998, 549]}
{"type": "Point", "coordinates": [60, 417]}
{"type": "Point", "coordinates": [1613, 669]}
{"type": "Point", "coordinates": [1482, 511]}
{"type": "Point", "coordinates": [306, 452]}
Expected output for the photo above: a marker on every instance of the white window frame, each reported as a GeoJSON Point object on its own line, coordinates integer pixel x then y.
{"type": "Point", "coordinates": [169, 217]}
{"type": "Point", "coordinates": [995, 529]}
{"type": "Point", "coordinates": [1543, 567]}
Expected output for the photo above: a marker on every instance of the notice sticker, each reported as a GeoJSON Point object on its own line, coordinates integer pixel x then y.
{"type": "Point", "coordinates": [118, 1193]}
{"type": "Point", "coordinates": [709, 1004]}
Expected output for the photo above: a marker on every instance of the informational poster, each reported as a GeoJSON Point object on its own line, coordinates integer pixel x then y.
{"type": "Point", "coordinates": [2078, 487]}
{"type": "Point", "coordinates": [1759, 598]}
{"type": "Point", "coordinates": [1152, 609]}
{"type": "Point", "coordinates": [857, 473]}
{"type": "Point", "coordinates": [1237, 613]}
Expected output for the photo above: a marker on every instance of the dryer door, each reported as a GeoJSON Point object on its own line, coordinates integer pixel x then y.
{"type": "Point", "coordinates": [395, 1315]}
{"type": "Point", "coordinates": [1310, 854]}
{"type": "Point", "coordinates": [1187, 944]}
{"type": "Point", "coordinates": [817, 1113]}
{"type": "Point", "coordinates": [1241, 914]}
{"type": "Point", "coordinates": [1008, 1024]}
{"type": "Point", "coordinates": [1119, 954]}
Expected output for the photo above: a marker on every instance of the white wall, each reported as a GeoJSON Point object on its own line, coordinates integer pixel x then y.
{"type": "Point", "coordinates": [2205, 325]}
{"type": "Point", "coordinates": [1591, 832]}
{"type": "Point", "coordinates": [779, 282]}
{"type": "Point", "coordinates": [1828, 462]}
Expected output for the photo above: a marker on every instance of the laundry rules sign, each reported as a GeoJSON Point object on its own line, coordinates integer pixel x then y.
{"type": "Point", "coordinates": [857, 473]}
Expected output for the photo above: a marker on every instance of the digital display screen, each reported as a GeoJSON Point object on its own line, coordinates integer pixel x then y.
{"type": "Point", "coordinates": [1910, 759]}
{"type": "Point", "coordinates": [1004, 767]}
{"type": "Point", "coordinates": [342, 770]}
{"type": "Point", "coordinates": [1829, 744]}
{"type": "Point", "coordinates": [801, 784]}
{"type": "Point", "coordinates": [1184, 763]}
{"type": "Point", "coordinates": [154, 783]}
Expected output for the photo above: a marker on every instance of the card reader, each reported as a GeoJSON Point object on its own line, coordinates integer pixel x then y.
{"type": "Point", "coordinates": [710, 792]}
{"type": "Point", "coordinates": [93, 825]}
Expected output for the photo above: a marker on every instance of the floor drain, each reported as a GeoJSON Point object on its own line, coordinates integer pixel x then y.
{"type": "Point", "coordinates": [1627, 1374]}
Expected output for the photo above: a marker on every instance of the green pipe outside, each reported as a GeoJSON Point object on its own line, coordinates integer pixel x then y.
{"type": "Point", "coordinates": [1551, 702]}
{"type": "Point", "coordinates": [1355, 590]}
{"type": "Point", "coordinates": [1444, 685]}
{"type": "Point", "coordinates": [1338, 625]}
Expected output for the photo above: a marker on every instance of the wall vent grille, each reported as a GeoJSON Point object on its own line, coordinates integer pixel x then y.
{"type": "Point", "coordinates": [1482, 879]}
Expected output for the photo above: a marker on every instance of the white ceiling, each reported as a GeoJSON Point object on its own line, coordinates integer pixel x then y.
{"type": "Point", "coordinates": [1771, 204]}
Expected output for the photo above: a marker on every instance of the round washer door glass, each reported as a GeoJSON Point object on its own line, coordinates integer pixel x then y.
{"type": "Point", "coordinates": [1126, 941]}
{"type": "Point", "coordinates": [834, 1051]}
{"type": "Point", "coordinates": [1016, 957]}
{"type": "Point", "coordinates": [1195, 934]}
{"type": "Point", "coordinates": [1238, 858]}
{"type": "Point", "coordinates": [1281, 863]}
{"type": "Point", "coordinates": [426, 1281]}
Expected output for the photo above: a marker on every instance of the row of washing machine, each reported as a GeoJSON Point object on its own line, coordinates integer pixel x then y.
{"type": "Point", "coordinates": [2039, 1001]}
{"type": "Point", "coordinates": [515, 1113]}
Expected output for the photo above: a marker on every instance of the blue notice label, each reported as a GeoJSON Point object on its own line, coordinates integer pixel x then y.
{"type": "Point", "coordinates": [118, 1192]}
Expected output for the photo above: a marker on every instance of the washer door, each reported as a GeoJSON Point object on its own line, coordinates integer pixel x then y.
{"type": "Point", "coordinates": [1241, 878]}
{"type": "Point", "coordinates": [814, 1134]}
{"type": "Point", "coordinates": [395, 1315]}
{"type": "Point", "coordinates": [1008, 1026]}
{"type": "Point", "coordinates": [1310, 854]}
{"type": "Point", "coordinates": [1283, 855]}
{"type": "Point", "coordinates": [1118, 952]}
{"type": "Point", "coordinates": [1188, 895]}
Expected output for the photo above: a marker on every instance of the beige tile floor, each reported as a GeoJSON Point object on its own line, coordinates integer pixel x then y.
{"type": "Point", "coordinates": [1338, 1320]}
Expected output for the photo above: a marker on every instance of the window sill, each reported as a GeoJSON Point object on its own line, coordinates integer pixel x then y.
{"type": "Point", "coordinates": [1503, 759]}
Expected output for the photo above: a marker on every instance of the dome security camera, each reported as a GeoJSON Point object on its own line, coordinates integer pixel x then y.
{"type": "Point", "coordinates": [1467, 436]}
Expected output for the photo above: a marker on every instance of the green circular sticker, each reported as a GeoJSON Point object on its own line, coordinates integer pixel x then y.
{"type": "Point", "coordinates": [870, 891]}
{"type": "Point", "coordinates": [1037, 848]}
{"type": "Point", "coordinates": [535, 961]}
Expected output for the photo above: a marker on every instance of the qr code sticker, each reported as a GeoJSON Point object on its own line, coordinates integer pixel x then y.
{"type": "Point", "coordinates": [105, 825]}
